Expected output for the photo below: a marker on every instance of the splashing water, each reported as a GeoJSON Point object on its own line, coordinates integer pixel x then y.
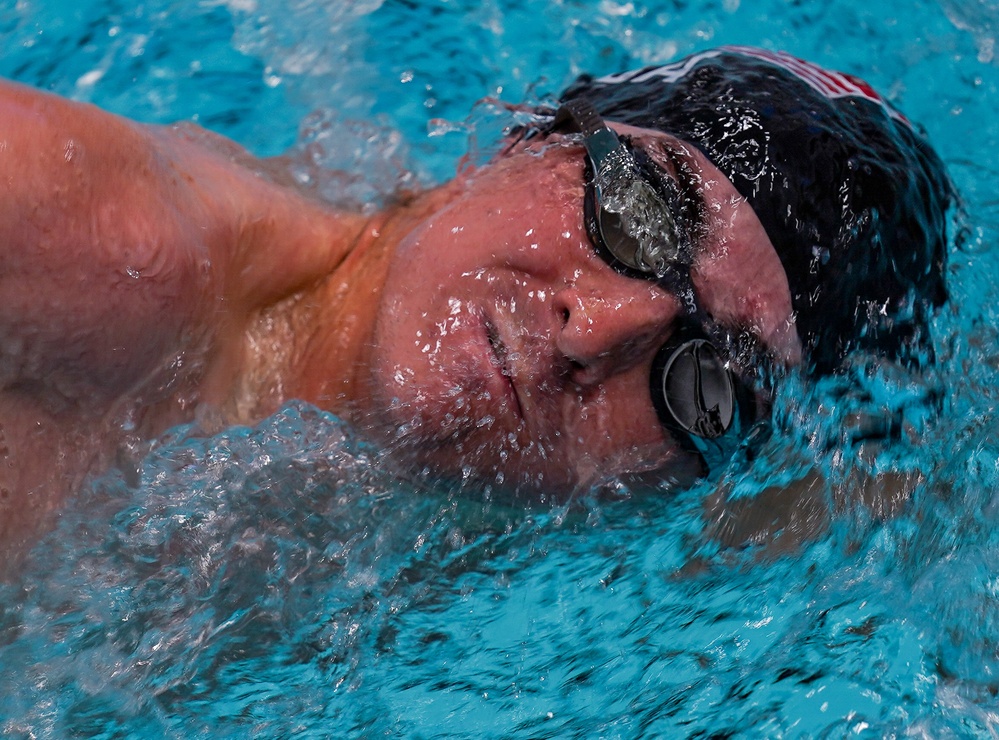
{"type": "Point", "coordinates": [277, 581]}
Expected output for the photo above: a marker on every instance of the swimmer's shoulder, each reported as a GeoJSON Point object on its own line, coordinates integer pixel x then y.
{"type": "Point", "coordinates": [122, 243]}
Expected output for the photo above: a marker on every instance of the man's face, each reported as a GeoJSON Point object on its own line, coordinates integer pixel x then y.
{"type": "Point", "coordinates": [507, 352]}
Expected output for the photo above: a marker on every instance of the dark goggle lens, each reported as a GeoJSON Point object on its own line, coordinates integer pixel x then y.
{"type": "Point", "coordinates": [632, 222]}
{"type": "Point", "coordinates": [645, 248]}
{"type": "Point", "coordinates": [695, 389]}
{"type": "Point", "coordinates": [706, 406]}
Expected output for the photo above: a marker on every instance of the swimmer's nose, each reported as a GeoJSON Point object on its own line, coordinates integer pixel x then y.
{"type": "Point", "coordinates": [603, 333]}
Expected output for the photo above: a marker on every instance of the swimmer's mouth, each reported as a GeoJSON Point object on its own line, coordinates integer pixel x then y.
{"type": "Point", "coordinates": [502, 362]}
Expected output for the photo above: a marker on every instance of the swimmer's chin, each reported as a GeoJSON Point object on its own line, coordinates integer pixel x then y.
{"type": "Point", "coordinates": [508, 484]}
{"type": "Point", "coordinates": [518, 481]}
{"type": "Point", "coordinates": [531, 490]}
{"type": "Point", "coordinates": [460, 454]}
{"type": "Point", "coordinates": [438, 464]}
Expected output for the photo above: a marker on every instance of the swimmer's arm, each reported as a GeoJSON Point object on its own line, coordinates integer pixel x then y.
{"type": "Point", "coordinates": [62, 158]}
{"type": "Point", "coordinates": [116, 237]}
{"type": "Point", "coordinates": [284, 239]}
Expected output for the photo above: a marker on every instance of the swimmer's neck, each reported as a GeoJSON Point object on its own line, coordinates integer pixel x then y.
{"type": "Point", "coordinates": [312, 340]}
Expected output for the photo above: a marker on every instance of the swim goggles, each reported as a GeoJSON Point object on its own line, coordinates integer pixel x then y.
{"type": "Point", "coordinates": [697, 396]}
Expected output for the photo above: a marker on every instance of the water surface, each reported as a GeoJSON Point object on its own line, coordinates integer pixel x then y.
{"type": "Point", "coordinates": [277, 582]}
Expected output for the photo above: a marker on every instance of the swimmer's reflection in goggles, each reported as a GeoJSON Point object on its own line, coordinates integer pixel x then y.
{"type": "Point", "coordinates": [707, 406]}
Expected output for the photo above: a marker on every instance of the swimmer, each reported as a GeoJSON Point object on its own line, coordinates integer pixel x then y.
{"type": "Point", "coordinates": [607, 298]}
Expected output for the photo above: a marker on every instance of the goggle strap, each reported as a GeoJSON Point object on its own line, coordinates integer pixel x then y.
{"type": "Point", "coordinates": [600, 141]}
{"type": "Point", "coordinates": [582, 116]}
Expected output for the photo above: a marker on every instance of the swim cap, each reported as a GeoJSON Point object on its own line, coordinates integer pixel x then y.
{"type": "Point", "coordinates": [851, 195]}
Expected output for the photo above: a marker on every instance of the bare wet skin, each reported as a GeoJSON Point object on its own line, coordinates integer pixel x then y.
{"type": "Point", "coordinates": [549, 348]}
{"type": "Point", "coordinates": [126, 288]}
{"type": "Point", "coordinates": [471, 330]}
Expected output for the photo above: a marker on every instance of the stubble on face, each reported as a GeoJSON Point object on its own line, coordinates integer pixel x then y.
{"type": "Point", "coordinates": [464, 333]}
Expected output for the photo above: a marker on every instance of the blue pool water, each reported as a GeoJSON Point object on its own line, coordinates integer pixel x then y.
{"type": "Point", "coordinates": [275, 582]}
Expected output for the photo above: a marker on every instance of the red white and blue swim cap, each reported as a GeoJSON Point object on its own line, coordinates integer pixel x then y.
{"type": "Point", "coordinates": [850, 193]}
